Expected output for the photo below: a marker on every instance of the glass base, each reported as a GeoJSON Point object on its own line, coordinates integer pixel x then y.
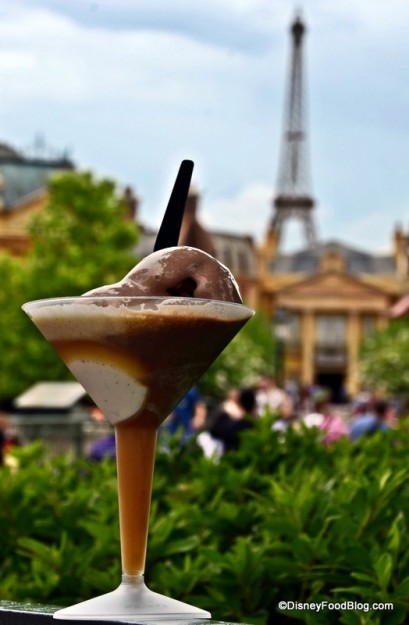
{"type": "Point", "coordinates": [132, 602]}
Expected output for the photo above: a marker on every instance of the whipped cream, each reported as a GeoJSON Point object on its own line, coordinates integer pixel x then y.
{"type": "Point", "coordinates": [115, 392]}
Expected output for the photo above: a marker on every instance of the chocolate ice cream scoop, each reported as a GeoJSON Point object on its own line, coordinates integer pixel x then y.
{"type": "Point", "coordinates": [178, 272]}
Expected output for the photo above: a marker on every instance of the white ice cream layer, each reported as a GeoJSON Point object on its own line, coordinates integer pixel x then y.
{"type": "Point", "coordinates": [115, 392]}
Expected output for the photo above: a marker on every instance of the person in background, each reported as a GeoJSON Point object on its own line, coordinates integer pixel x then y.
{"type": "Point", "coordinates": [333, 425]}
{"type": "Point", "coordinates": [325, 419]}
{"type": "Point", "coordinates": [3, 425]}
{"type": "Point", "coordinates": [211, 446]}
{"type": "Point", "coordinates": [104, 448]}
{"type": "Point", "coordinates": [371, 418]}
{"type": "Point", "coordinates": [231, 403]}
{"type": "Point", "coordinates": [189, 415]}
{"type": "Point", "coordinates": [269, 395]}
{"type": "Point", "coordinates": [227, 426]}
{"type": "Point", "coordinates": [286, 415]}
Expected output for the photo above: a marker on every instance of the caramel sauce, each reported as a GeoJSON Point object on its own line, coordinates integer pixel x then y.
{"type": "Point", "coordinates": [98, 352]}
{"type": "Point", "coordinates": [135, 445]}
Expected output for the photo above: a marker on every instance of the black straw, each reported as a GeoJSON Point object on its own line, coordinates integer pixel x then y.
{"type": "Point", "coordinates": [168, 235]}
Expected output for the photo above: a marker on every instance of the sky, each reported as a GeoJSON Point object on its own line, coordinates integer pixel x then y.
{"type": "Point", "coordinates": [129, 88]}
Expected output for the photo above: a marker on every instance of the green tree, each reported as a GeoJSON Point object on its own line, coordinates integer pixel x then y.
{"type": "Point", "coordinates": [249, 355]}
{"type": "Point", "coordinates": [80, 241]}
{"type": "Point", "coordinates": [384, 359]}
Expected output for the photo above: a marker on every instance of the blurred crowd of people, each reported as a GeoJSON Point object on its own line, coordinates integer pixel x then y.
{"type": "Point", "coordinates": [218, 430]}
{"type": "Point", "coordinates": [8, 440]}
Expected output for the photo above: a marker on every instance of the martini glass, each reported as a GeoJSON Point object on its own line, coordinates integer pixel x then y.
{"type": "Point", "coordinates": [136, 357]}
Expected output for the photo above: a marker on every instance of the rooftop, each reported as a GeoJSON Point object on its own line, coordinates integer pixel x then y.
{"type": "Point", "coordinates": [357, 262]}
{"type": "Point", "coordinates": [23, 176]}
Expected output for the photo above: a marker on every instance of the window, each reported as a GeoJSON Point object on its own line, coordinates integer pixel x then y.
{"type": "Point", "coordinates": [293, 329]}
{"type": "Point", "coordinates": [228, 258]}
{"type": "Point", "coordinates": [243, 261]}
{"type": "Point", "coordinates": [368, 325]}
{"type": "Point", "coordinates": [331, 330]}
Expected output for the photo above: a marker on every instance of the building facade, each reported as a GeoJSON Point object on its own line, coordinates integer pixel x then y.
{"type": "Point", "coordinates": [330, 297]}
{"type": "Point", "coordinates": [23, 193]}
{"type": "Point", "coordinates": [326, 298]}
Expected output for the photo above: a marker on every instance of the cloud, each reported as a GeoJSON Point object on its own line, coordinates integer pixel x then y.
{"type": "Point", "coordinates": [248, 212]}
{"type": "Point", "coordinates": [365, 233]}
{"type": "Point", "coordinates": [134, 87]}
{"type": "Point", "coordinates": [364, 17]}
{"type": "Point", "coordinates": [236, 25]}
{"type": "Point", "coordinates": [65, 60]}
{"type": "Point", "coordinates": [39, 57]}
{"type": "Point", "coordinates": [128, 99]}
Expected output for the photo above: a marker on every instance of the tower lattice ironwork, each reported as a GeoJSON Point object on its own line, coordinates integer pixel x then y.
{"type": "Point", "coordinates": [293, 192]}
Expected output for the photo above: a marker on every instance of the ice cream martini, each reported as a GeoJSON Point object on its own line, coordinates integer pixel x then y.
{"type": "Point", "coordinates": [137, 347]}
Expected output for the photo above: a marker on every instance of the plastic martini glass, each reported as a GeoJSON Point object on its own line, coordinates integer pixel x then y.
{"type": "Point", "coordinates": [136, 357]}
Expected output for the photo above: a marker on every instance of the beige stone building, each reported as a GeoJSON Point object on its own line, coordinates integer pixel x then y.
{"type": "Point", "coordinates": [329, 297]}
{"type": "Point", "coordinates": [23, 193]}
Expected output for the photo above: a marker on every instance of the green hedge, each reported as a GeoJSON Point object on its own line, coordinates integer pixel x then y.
{"type": "Point", "coordinates": [281, 519]}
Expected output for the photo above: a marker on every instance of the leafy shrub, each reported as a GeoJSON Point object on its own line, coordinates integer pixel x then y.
{"type": "Point", "coordinates": [384, 359]}
{"type": "Point", "coordinates": [280, 519]}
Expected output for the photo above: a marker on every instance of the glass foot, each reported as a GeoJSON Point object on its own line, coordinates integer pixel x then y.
{"type": "Point", "coordinates": [132, 602]}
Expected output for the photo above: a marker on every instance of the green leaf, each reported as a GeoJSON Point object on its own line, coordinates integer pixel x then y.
{"type": "Point", "coordinates": [402, 590]}
{"type": "Point", "coordinates": [383, 568]}
{"type": "Point", "coordinates": [363, 577]}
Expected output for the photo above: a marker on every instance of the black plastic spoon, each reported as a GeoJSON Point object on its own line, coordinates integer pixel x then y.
{"type": "Point", "coordinates": [168, 235]}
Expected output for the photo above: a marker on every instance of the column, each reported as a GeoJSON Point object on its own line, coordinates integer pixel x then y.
{"type": "Point", "coordinates": [308, 345]}
{"type": "Point", "coordinates": [353, 343]}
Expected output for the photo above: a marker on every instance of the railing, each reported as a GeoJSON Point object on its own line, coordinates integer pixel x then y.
{"type": "Point", "coordinates": [12, 613]}
{"type": "Point", "coordinates": [61, 433]}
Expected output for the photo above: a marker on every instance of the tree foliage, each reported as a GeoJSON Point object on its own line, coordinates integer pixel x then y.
{"type": "Point", "coordinates": [249, 355]}
{"type": "Point", "coordinates": [79, 241]}
{"type": "Point", "coordinates": [385, 359]}
{"type": "Point", "coordinates": [82, 240]}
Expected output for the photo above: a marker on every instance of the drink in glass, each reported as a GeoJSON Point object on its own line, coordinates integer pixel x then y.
{"type": "Point", "coordinates": [136, 357]}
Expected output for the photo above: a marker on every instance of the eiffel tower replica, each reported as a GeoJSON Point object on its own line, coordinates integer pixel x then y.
{"type": "Point", "coordinates": [293, 191]}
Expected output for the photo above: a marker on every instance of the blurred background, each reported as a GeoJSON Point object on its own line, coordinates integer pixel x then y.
{"type": "Point", "coordinates": [296, 118]}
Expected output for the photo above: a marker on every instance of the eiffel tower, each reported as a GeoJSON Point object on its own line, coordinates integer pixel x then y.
{"type": "Point", "coordinates": [293, 191]}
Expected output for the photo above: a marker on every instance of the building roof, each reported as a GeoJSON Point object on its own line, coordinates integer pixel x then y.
{"type": "Point", "coordinates": [50, 395]}
{"type": "Point", "coordinates": [356, 261]}
{"type": "Point", "coordinates": [22, 177]}
{"type": "Point", "coordinates": [192, 232]}
{"type": "Point", "coordinates": [237, 252]}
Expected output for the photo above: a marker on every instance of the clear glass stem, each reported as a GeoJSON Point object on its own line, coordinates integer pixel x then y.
{"type": "Point", "coordinates": [135, 451]}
